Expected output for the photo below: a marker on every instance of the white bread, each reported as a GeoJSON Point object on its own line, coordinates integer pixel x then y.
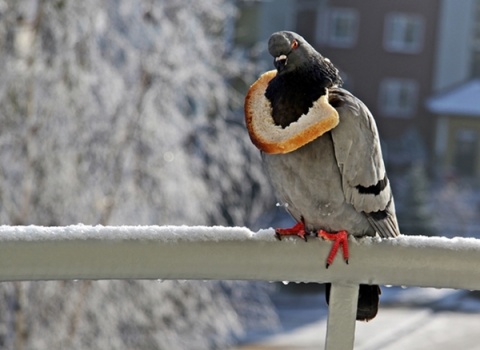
{"type": "Point", "coordinates": [272, 138]}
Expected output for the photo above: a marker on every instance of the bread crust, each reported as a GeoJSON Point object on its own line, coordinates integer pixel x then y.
{"type": "Point", "coordinates": [271, 138]}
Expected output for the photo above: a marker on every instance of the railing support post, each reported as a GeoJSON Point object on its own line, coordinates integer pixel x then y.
{"type": "Point", "coordinates": [342, 313]}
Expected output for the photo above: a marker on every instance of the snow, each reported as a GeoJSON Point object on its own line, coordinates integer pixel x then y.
{"type": "Point", "coordinates": [462, 100]}
{"type": "Point", "coordinates": [172, 233]}
{"type": "Point", "coordinates": [266, 234]}
{"type": "Point", "coordinates": [455, 243]}
{"type": "Point", "coordinates": [165, 234]}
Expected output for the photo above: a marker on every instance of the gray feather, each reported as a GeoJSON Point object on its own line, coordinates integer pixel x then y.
{"type": "Point", "coordinates": [359, 158]}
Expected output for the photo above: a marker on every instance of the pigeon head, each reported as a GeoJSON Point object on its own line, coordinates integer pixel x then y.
{"type": "Point", "coordinates": [290, 51]}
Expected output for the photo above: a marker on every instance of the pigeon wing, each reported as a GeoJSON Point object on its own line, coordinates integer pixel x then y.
{"type": "Point", "coordinates": [359, 158]}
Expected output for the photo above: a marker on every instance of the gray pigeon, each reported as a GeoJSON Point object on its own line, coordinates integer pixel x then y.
{"type": "Point", "coordinates": [336, 183]}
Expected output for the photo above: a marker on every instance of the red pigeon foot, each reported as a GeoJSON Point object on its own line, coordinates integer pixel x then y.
{"type": "Point", "coordinates": [297, 230]}
{"type": "Point", "coordinates": [339, 238]}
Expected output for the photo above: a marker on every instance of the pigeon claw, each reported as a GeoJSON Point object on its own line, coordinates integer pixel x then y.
{"type": "Point", "coordinates": [297, 230]}
{"type": "Point", "coordinates": [339, 238]}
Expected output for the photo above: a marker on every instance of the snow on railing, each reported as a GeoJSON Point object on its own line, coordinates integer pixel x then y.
{"type": "Point", "coordinates": [182, 252]}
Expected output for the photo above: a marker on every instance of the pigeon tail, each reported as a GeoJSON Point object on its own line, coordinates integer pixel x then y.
{"type": "Point", "coordinates": [368, 299]}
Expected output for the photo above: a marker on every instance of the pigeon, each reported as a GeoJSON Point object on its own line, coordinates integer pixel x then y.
{"type": "Point", "coordinates": [321, 150]}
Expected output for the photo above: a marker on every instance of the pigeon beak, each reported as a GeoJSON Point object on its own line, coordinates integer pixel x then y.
{"type": "Point", "coordinates": [280, 62]}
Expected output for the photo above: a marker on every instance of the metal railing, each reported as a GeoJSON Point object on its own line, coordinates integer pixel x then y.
{"type": "Point", "coordinates": [182, 252]}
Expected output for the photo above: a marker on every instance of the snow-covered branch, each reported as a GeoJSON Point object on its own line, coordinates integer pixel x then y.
{"type": "Point", "coordinates": [200, 252]}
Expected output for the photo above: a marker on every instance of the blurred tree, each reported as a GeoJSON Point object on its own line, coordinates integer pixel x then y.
{"type": "Point", "coordinates": [121, 112]}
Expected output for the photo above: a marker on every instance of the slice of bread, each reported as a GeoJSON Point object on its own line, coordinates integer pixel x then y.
{"type": "Point", "coordinates": [272, 138]}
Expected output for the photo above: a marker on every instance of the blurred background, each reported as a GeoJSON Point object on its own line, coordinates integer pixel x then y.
{"type": "Point", "coordinates": [122, 112]}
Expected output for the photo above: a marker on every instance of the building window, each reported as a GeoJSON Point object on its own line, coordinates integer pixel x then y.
{"type": "Point", "coordinates": [476, 43]}
{"type": "Point", "coordinates": [404, 33]}
{"type": "Point", "coordinates": [398, 97]}
{"type": "Point", "coordinates": [306, 19]}
{"type": "Point", "coordinates": [466, 146]}
{"type": "Point", "coordinates": [348, 82]}
{"type": "Point", "coordinates": [343, 27]}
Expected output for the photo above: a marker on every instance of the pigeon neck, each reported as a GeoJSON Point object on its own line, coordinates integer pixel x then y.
{"type": "Point", "coordinates": [292, 94]}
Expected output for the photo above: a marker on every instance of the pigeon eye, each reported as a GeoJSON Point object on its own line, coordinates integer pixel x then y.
{"type": "Point", "coordinates": [295, 44]}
